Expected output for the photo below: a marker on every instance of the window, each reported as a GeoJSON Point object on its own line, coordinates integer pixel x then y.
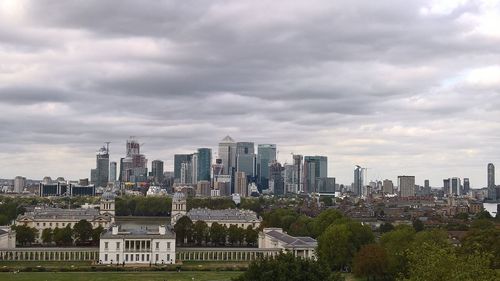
{"type": "Point", "coordinates": [126, 257]}
{"type": "Point", "coordinates": [118, 245]}
{"type": "Point", "coordinates": [117, 257]}
{"type": "Point", "coordinates": [157, 245]}
{"type": "Point", "coordinates": [156, 257]}
{"type": "Point", "coordinates": [43, 224]}
{"type": "Point", "coordinates": [106, 245]}
{"type": "Point", "coordinates": [63, 224]}
{"type": "Point", "coordinates": [50, 224]}
{"type": "Point", "coordinates": [37, 224]}
{"type": "Point", "coordinates": [142, 257]}
{"type": "Point", "coordinates": [57, 224]}
{"type": "Point", "coordinates": [105, 257]}
{"type": "Point", "coordinates": [147, 257]}
{"type": "Point", "coordinates": [137, 257]}
{"type": "Point", "coordinates": [168, 257]}
{"type": "Point", "coordinates": [168, 245]}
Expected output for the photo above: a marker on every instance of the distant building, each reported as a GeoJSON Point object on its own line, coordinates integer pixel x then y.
{"type": "Point", "coordinates": [314, 167]}
{"type": "Point", "coordinates": [298, 172]}
{"type": "Point", "coordinates": [179, 160]}
{"type": "Point", "coordinates": [275, 238]}
{"type": "Point", "coordinates": [137, 246]}
{"type": "Point", "coordinates": [245, 158]}
{"type": "Point", "coordinates": [325, 186]}
{"type": "Point", "coordinates": [358, 181]}
{"type": "Point", "coordinates": [406, 186]}
{"type": "Point", "coordinates": [203, 188]}
{"type": "Point", "coordinates": [276, 180]}
{"type": "Point", "coordinates": [466, 188]}
{"type": "Point", "coordinates": [204, 164]}
{"type": "Point", "coordinates": [100, 175]}
{"type": "Point", "coordinates": [19, 184]}
{"type": "Point", "coordinates": [112, 171]}
{"type": "Point", "coordinates": [388, 187]}
{"type": "Point", "coordinates": [7, 238]}
{"type": "Point", "coordinates": [157, 171]}
{"type": "Point", "coordinates": [241, 184]}
{"type": "Point", "coordinates": [227, 154]}
{"type": "Point", "coordinates": [266, 154]}
{"type": "Point", "coordinates": [491, 182]}
{"type": "Point", "coordinates": [226, 217]}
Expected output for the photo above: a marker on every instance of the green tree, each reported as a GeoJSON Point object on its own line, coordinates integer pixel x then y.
{"type": "Point", "coordinates": [339, 242]}
{"type": "Point", "coordinates": [483, 215]}
{"type": "Point", "coordinates": [25, 235]}
{"type": "Point", "coordinates": [234, 234]}
{"type": "Point", "coordinates": [82, 231]}
{"type": "Point", "coordinates": [288, 267]}
{"type": "Point", "coordinates": [324, 220]}
{"type": "Point", "coordinates": [418, 225]}
{"type": "Point", "coordinates": [96, 234]}
{"type": "Point", "coordinates": [218, 234]}
{"type": "Point", "coordinates": [4, 220]}
{"type": "Point", "coordinates": [251, 236]}
{"type": "Point", "coordinates": [183, 230]}
{"type": "Point", "coordinates": [485, 241]}
{"type": "Point", "coordinates": [47, 236]}
{"type": "Point", "coordinates": [63, 236]}
{"type": "Point", "coordinates": [386, 227]}
{"type": "Point", "coordinates": [371, 262]}
{"type": "Point", "coordinates": [200, 232]}
{"type": "Point", "coordinates": [396, 243]}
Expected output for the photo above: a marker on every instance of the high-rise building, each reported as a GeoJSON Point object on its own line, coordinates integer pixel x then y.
{"type": "Point", "coordinates": [298, 170]}
{"type": "Point", "coordinates": [466, 188]}
{"type": "Point", "coordinates": [157, 171]}
{"type": "Point", "coordinates": [455, 186]}
{"type": "Point", "coordinates": [325, 186]}
{"type": "Point", "coordinates": [19, 184]}
{"type": "Point", "coordinates": [276, 181]}
{"type": "Point", "coordinates": [446, 186]}
{"type": "Point", "coordinates": [186, 173]}
{"type": "Point", "coordinates": [289, 179]}
{"type": "Point", "coordinates": [266, 154]}
{"type": "Point", "coordinates": [178, 160]}
{"type": "Point", "coordinates": [112, 171]}
{"type": "Point", "coordinates": [245, 158]}
{"type": "Point", "coordinates": [194, 168]}
{"type": "Point", "coordinates": [204, 164]}
{"type": "Point", "coordinates": [358, 181]}
{"type": "Point", "coordinates": [491, 182]}
{"type": "Point", "coordinates": [100, 175]}
{"type": "Point", "coordinates": [134, 165]}
{"type": "Point", "coordinates": [241, 184]}
{"type": "Point", "coordinates": [314, 167]}
{"type": "Point", "coordinates": [227, 153]}
{"type": "Point", "coordinates": [406, 186]}
{"type": "Point", "coordinates": [427, 187]}
{"type": "Point", "coordinates": [388, 187]}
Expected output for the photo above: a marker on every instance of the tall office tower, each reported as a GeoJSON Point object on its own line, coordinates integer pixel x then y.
{"type": "Point", "coordinates": [455, 186]}
{"type": "Point", "coordinates": [427, 187]}
{"type": "Point", "coordinates": [19, 184]}
{"type": "Point", "coordinates": [314, 167]}
{"type": "Point", "coordinates": [178, 160]}
{"type": "Point", "coordinates": [298, 178]}
{"type": "Point", "coordinates": [134, 164]}
{"type": "Point", "coordinates": [358, 181]}
{"type": "Point", "coordinates": [491, 182]}
{"type": "Point", "coordinates": [194, 168]}
{"type": "Point", "coordinates": [227, 153]}
{"type": "Point", "coordinates": [466, 188]}
{"type": "Point", "coordinates": [266, 154]}
{"type": "Point", "coordinates": [186, 173]}
{"type": "Point", "coordinates": [241, 184]}
{"type": "Point", "coordinates": [276, 181]}
{"type": "Point", "coordinates": [100, 175]}
{"type": "Point", "coordinates": [325, 186]}
{"type": "Point", "coordinates": [112, 171]}
{"type": "Point", "coordinates": [245, 158]}
{"type": "Point", "coordinates": [157, 171]}
{"type": "Point", "coordinates": [288, 178]}
{"type": "Point", "coordinates": [204, 164]}
{"type": "Point", "coordinates": [446, 186]}
{"type": "Point", "coordinates": [388, 187]}
{"type": "Point", "coordinates": [218, 168]}
{"type": "Point", "coordinates": [406, 186]}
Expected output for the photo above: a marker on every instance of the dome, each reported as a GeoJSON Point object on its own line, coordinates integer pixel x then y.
{"type": "Point", "coordinates": [108, 195]}
{"type": "Point", "coordinates": [179, 196]}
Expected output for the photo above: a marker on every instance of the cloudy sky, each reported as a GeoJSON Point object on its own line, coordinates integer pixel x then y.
{"type": "Point", "coordinates": [400, 87]}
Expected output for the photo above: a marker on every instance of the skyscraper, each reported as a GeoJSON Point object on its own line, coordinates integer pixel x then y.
{"type": "Point", "coordinates": [157, 171]}
{"type": "Point", "coordinates": [276, 180]}
{"type": "Point", "coordinates": [466, 188]}
{"type": "Point", "coordinates": [314, 167]}
{"type": "Point", "coordinates": [19, 184]}
{"type": "Point", "coordinates": [266, 154]}
{"type": "Point", "coordinates": [134, 164]}
{"type": "Point", "coordinates": [298, 180]}
{"type": "Point", "coordinates": [492, 193]}
{"type": "Point", "coordinates": [241, 184]}
{"type": "Point", "coordinates": [178, 160]}
{"type": "Point", "coordinates": [388, 187]}
{"type": "Point", "coordinates": [406, 186]}
{"type": "Point", "coordinates": [358, 181]}
{"type": "Point", "coordinates": [455, 186]}
{"type": "Point", "coordinates": [245, 158]}
{"type": "Point", "coordinates": [112, 171]}
{"type": "Point", "coordinates": [100, 175]}
{"type": "Point", "coordinates": [446, 186]}
{"type": "Point", "coordinates": [227, 153]}
{"type": "Point", "coordinates": [204, 164]}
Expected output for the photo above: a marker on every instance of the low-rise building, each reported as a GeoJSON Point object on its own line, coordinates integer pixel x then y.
{"type": "Point", "coordinates": [226, 217]}
{"type": "Point", "coordinates": [275, 238]}
{"type": "Point", "coordinates": [137, 246]}
{"type": "Point", "coordinates": [7, 238]}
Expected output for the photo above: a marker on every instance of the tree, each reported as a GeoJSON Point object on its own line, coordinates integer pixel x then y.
{"type": "Point", "coordinates": [418, 225]}
{"type": "Point", "coordinates": [4, 220]}
{"type": "Point", "coordinates": [396, 243]}
{"type": "Point", "coordinates": [234, 234]}
{"type": "Point", "coordinates": [324, 220]}
{"type": "Point", "coordinates": [251, 235]}
{"type": "Point", "coordinates": [183, 230]}
{"type": "Point", "coordinates": [287, 267]}
{"type": "Point", "coordinates": [47, 236]}
{"type": "Point", "coordinates": [96, 234]}
{"type": "Point", "coordinates": [82, 231]}
{"type": "Point", "coordinates": [339, 242]}
{"type": "Point", "coordinates": [63, 236]}
{"type": "Point", "coordinates": [485, 241]}
{"type": "Point", "coordinates": [386, 227]}
{"type": "Point", "coordinates": [200, 232]}
{"type": "Point", "coordinates": [25, 234]}
{"type": "Point", "coordinates": [371, 261]}
{"type": "Point", "coordinates": [483, 215]}
{"type": "Point", "coordinates": [218, 234]}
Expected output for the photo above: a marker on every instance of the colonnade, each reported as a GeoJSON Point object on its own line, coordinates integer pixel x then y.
{"type": "Point", "coordinates": [223, 254]}
{"type": "Point", "coordinates": [49, 254]}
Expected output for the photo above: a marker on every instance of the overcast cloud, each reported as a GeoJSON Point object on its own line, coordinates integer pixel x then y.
{"type": "Point", "coordinates": [400, 87]}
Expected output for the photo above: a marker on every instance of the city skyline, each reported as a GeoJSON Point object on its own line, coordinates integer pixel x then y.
{"type": "Point", "coordinates": [401, 88]}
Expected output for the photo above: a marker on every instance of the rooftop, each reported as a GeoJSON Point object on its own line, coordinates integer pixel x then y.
{"type": "Point", "coordinates": [293, 242]}
{"type": "Point", "coordinates": [142, 232]}
{"type": "Point", "coordinates": [222, 215]}
{"type": "Point", "coordinates": [57, 213]}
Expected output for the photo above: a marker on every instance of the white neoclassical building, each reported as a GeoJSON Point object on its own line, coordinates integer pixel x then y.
{"type": "Point", "coordinates": [137, 246]}
{"type": "Point", "coordinates": [275, 238]}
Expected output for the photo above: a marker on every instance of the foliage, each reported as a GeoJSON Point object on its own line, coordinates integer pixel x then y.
{"type": "Point", "coordinates": [396, 243]}
{"type": "Point", "coordinates": [252, 204]}
{"type": "Point", "coordinates": [25, 234]}
{"type": "Point", "coordinates": [201, 232]}
{"type": "Point", "coordinates": [485, 241]}
{"type": "Point", "coordinates": [218, 233]}
{"type": "Point", "coordinates": [302, 226]}
{"type": "Point", "coordinates": [183, 230]}
{"type": "Point", "coordinates": [251, 236]}
{"type": "Point", "coordinates": [339, 242]}
{"type": "Point", "coordinates": [47, 235]}
{"type": "Point", "coordinates": [82, 231]}
{"type": "Point", "coordinates": [462, 216]}
{"type": "Point", "coordinates": [371, 261]}
{"type": "Point", "coordinates": [386, 227]}
{"type": "Point", "coordinates": [287, 267]}
{"type": "Point", "coordinates": [210, 203]}
{"type": "Point", "coordinates": [325, 219]}
{"type": "Point", "coordinates": [96, 234]}
{"type": "Point", "coordinates": [63, 236]}
{"type": "Point", "coordinates": [143, 206]}
{"type": "Point", "coordinates": [418, 225]}
{"type": "Point", "coordinates": [483, 215]}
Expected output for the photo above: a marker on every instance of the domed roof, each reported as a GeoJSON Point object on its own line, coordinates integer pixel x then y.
{"type": "Point", "coordinates": [179, 196]}
{"type": "Point", "coordinates": [108, 195]}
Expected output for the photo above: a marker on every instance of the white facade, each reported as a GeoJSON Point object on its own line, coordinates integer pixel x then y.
{"type": "Point", "coordinates": [7, 238]}
{"type": "Point", "coordinates": [275, 238]}
{"type": "Point", "coordinates": [137, 246]}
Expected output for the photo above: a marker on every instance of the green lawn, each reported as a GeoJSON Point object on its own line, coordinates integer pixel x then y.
{"type": "Point", "coordinates": [120, 276]}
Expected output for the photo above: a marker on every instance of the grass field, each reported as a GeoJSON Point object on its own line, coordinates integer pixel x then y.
{"type": "Point", "coordinates": [121, 276]}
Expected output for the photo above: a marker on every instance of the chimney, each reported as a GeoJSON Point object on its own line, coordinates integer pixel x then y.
{"type": "Point", "coordinates": [115, 230]}
{"type": "Point", "coordinates": [162, 229]}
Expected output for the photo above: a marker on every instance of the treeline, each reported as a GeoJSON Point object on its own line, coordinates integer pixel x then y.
{"type": "Point", "coordinates": [82, 233]}
{"type": "Point", "coordinates": [404, 252]}
{"type": "Point", "coordinates": [200, 234]}
{"type": "Point", "coordinates": [143, 206]}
